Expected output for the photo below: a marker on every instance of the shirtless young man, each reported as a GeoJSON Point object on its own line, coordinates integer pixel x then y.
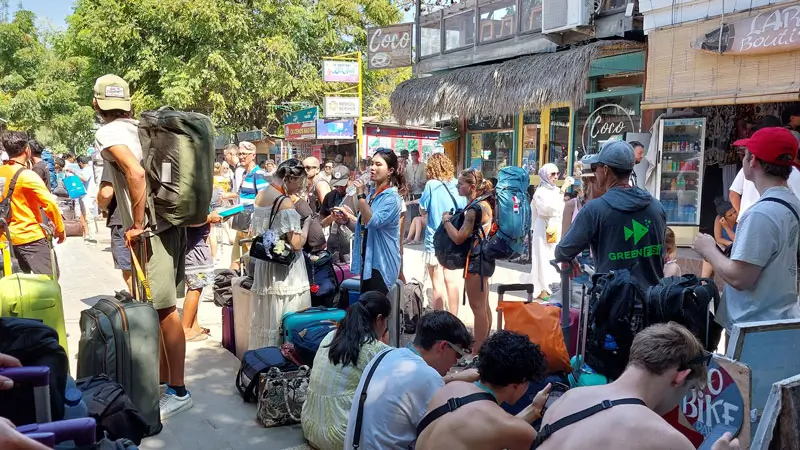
{"type": "Point", "coordinates": [507, 363]}
{"type": "Point", "coordinates": [666, 361]}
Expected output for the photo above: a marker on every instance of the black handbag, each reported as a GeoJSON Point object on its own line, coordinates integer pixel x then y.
{"type": "Point", "coordinates": [267, 245]}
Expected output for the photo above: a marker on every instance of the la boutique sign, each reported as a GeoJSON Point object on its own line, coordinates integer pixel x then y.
{"type": "Point", "coordinates": [389, 47]}
{"type": "Point", "coordinates": [773, 31]}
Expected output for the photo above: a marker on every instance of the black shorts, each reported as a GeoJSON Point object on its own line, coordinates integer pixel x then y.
{"type": "Point", "coordinates": [36, 257]}
{"type": "Point", "coordinates": [375, 283]}
{"type": "Point", "coordinates": [479, 265]}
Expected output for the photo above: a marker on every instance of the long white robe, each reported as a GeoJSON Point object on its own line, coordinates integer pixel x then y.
{"type": "Point", "coordinates": [547, 208]}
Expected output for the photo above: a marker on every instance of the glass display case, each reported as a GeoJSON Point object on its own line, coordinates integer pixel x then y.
{"type": "Point", "coordinates": [680, 169]}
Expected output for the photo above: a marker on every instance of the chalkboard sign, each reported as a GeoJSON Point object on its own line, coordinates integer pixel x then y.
{"type": "Point", "coordinates": [770, 349]}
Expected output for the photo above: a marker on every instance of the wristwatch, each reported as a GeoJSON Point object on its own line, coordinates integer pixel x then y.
{"type": "Point", "coordinates": [362, 196]}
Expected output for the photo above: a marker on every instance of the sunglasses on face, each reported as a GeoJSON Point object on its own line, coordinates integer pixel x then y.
{"type": "Point", "coordinates": [460, 351]}
{"type": "Point", "coordinates": [555, 174]}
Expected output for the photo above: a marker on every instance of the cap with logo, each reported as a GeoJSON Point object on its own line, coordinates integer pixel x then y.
{"type": "Point", "coordinates": [616, 154]}
{"type": "Point", "coordinates": [112, 92]}
{"type": "Point", "coordinates": [773, 145]}
{"type": "Point", "coordinates": [340, 176]}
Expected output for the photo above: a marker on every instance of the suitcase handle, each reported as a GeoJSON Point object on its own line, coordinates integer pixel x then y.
{"type": "Point", "coordinates": [503, 288]}
{"type": "Point", "coordinates": [561, 266]}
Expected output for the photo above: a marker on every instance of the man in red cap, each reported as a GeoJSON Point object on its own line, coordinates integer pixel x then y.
{"type": "Point", "coordinates": [761, 273]}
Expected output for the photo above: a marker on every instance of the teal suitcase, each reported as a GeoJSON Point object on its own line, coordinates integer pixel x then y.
{"type": "Point", "coordinates": [300, 319]}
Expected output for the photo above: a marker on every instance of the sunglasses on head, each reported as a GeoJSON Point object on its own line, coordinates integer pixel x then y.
{"type": "Point", "coordinates": [703, 359]}
{"type": "Point", "coordinates": [384, 151]}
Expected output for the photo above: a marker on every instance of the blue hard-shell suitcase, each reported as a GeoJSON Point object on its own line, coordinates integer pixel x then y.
{"type": "Point", "coordinates": [298, 320]}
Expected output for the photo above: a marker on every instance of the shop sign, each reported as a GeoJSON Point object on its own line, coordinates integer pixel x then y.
{"type": "Point", "coordinates": [335, 129]}
{"type": "Point", "coordinates": [250, 136]}
{"type": "Point", "coordinates": [306, 131]}
{"type": "Point", "coordinates": [401, 133]}
{"type": "Point", "coordinates": [608, 122]}
{"type": "Point", "coordinates": [704, 415]}
{"type": "Point", "coordinates": [767, 32]}
{"type": "Point", "coordinates": [342, 107]}
{"type": "Point", "coordinates": [340, 71]}
{"type": "Point", "coordinates": [304, 115]}
{"type": "Point", "coordinates": [389, 47]}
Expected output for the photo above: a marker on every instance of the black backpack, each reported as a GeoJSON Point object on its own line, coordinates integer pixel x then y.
{"type": "Point", "coordinates": [686, 300]}
{"type": "Point", "coordinates": [223, 288]}
{"type": "Point", "coordinates": [102, 444]}
{"type": "Point", "coordinates": [34, 344]}
{"type": "Point", "coordinates": [254, 363]}
{"type": "Point", "coordinates": [322, 278]}
{"type": "Point", "coordinates": [617, 311]}
{"type": "Point", "coordinates": [115, 414]}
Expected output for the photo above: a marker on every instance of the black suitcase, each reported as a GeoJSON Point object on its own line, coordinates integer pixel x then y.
{"type": "Point", "coordinates": [120, 338]}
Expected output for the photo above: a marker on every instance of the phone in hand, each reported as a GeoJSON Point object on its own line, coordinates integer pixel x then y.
{"type": "Point", "coordinates": [556, 391]}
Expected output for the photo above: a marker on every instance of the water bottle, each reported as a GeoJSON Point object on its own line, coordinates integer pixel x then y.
{"type": "Point", "coordinates": [74, 406]}
{"type": "Point", "coordinates": [610, 344]}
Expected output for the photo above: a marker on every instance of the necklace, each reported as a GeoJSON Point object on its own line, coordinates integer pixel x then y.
{"type": "Point", "coordinates": [487, 389]}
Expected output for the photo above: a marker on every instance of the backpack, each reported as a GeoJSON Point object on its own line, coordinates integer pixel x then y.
{"type": "Point", "coordinates": [223, 287]}
{"type": "Point", "coordinates": [512, 214]}
{"type": "Point", "coordinates": [178, 152]}
{"type": "Point", "coordinates": [686, 300]}
{"type": "Point", "coordinates": [47, 157]}
{"type": "Point", "coordinates": [115, 414]}
{"type": "Point", "coordinates": [450, 255]}
{"type": "Point", "coordinates": [412, 305]}
{"type": "Point", "coordinates": [102, 444]}
{"type": "Point", "coordinates": [306, 341]}
{"type": "Point", "coordinates": [617, 311]}
{"type": "Point", "coordinates": [322, 279]}
{"type": "Point", "coordinates": [35, 344]}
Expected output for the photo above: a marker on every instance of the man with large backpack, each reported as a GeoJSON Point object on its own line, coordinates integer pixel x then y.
{"type": "Point", "coordinates": [625, 228]}
{"type": "Point", "coordinates": [118, 140]}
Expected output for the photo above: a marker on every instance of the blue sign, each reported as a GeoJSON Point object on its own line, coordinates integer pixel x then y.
{"type": "Point", "coordinates": [304, 115]}
{"type": "Point", "coordinates": [335, 129]}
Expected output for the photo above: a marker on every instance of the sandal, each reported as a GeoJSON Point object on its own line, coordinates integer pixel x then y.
{"type": "Point", "coordinates": [205, 330]}
{"type": "Point", "coordinates": [197, 337]}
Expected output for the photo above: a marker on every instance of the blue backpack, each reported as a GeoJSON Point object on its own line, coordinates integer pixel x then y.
{"type": "Point", "coordinates": [512, 214]}
{"type": "Point", "coordinates": [47, 157]}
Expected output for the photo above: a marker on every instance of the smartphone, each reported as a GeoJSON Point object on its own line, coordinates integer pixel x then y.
{"type": "Point", "coordinates": [556, 391]}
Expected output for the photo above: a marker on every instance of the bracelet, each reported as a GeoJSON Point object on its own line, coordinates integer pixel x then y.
{"type": "Point", "coordinates": [362, 196]}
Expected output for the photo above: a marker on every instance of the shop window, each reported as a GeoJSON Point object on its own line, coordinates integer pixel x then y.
{"type": "Point", "coordinates": [558, 147]}
{"type": "Point", "coordinates": [491, 151]}
{"type": "Point", "coordinates": [498, 20]}
{"type": "Point", "coordinates": [430, 36]}
{"type": "Point", "coordinates": [612, 6]}
{"type": "Point", "coordinates": [459, 30]}
{"type": "Point", "coordinates": [531, 18]}
{"type": "Point", "coordinates": [606, 119]}
{"type": "Point", "coordinates": [531, 139]}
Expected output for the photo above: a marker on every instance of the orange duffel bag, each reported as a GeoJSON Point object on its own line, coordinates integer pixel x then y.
{"type": "Point", "coordinates": [540, 322]}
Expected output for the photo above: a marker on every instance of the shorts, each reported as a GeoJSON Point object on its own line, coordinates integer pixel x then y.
{"type": "Point", "coordinates": [199, 266]}
{"type": "Point", "coordinates": [119, 251]}
{"type": "Point", "coordinates": [165, 255]}
{"type": "Point", "coordinates": [35, 257]}
{"type": "Point", "coordinates": [476, 263]}
{"type": "Point", "coordinates": [429, 258]}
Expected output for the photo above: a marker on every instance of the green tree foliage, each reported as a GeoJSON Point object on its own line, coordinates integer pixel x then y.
{"type": "Point", "coordinates": [40, 91]}
{"type": "Point", "coordinates": [235, 60]}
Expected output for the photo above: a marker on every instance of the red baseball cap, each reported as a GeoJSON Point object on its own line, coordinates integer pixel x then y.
{"type": "Point", "coordinates": [774, 145]}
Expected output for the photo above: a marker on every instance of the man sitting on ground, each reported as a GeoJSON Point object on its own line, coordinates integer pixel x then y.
{"type": "Point", "coordinates": [666, 362]}
{"type": "Point", "coordinates": [507, 363]}
{"type": "Point", "coordinates": [404, 381]}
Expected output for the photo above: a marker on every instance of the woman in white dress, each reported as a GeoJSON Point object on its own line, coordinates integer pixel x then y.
{"type": "Point", "coordinates": [279, 289]}
{"type": "Point", "coordinates": [547, 207]}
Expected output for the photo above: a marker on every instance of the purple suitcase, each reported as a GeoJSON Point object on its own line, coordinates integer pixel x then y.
{"type": "Point", "coordinates": [81, 431]}
{"type": "Point", "coordinates": [228, 334]}
{"type": "Point", "coordinates": [29, 400]}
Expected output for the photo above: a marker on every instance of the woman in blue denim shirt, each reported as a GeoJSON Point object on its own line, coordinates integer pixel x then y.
{"type": "Point", "coordinates": [376, 242]}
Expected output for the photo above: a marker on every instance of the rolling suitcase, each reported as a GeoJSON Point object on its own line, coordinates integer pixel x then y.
{"type": "Point", "coordinates": [300, 319]}
{"type": "Point", "coordinates": [120, 338]}
{"type": "Point", "coordinates": [29, 400]}
{"type": "Point", "coordinates": [34, 296]}
{"type": "Point", "coordinates": [80, 431]}
{"type": "Point", "coordinates": [350, 291]}
{"type": "Point", "coordinates": [228, 329]}
{"type": "Point", "coordinates": [242, 310]}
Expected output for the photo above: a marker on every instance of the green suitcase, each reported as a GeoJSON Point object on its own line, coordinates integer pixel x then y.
{"type": "Point", "coordinates": [34, 296]}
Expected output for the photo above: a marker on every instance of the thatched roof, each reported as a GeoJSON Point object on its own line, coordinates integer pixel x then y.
{"type": "Point", "coordinates": [524, 83]}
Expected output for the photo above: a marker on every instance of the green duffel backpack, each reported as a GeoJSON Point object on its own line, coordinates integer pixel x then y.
{"type": "Point", "coordinates": [178, 152]}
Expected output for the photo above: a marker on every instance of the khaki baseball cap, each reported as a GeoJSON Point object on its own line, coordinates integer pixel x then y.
{"type": "Point", "coordinates": [112, 92]}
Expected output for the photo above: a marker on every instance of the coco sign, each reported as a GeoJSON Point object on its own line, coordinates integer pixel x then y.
{"type": "Point", "coordinates": [604, 123]}
{"type": "Point", "coordinates": [389, 47]}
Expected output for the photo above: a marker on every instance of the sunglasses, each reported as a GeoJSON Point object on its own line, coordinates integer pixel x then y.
{"type": "Point", "coordinates": [383, 150]}
{"type": "Point", "coordinates": [555, 173]}
{"type": "Point", "coordinates": [703, 359]}
{"type": "Point", "coordinates": [461, 351]}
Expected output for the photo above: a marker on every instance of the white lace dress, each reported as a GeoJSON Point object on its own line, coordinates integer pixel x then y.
{"type": "Point", "coordinates": [277, 289]}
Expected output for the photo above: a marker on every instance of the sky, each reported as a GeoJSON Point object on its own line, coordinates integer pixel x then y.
{"type": "Point", "coordinates": [53, 11]}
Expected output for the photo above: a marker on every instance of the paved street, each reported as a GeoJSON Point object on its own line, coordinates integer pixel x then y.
{"type": "Point", "coordinates": [219, 419]}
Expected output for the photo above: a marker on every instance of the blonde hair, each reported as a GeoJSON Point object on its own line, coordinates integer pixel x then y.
{"type": "Point", "coordinates": [439, 167]}
{"type": "Point", "coordinates": [665, 346]}
{"type": "Point", "coordinates": [475, 178]}
{"type": "Point", "coordinates": [670, 246]}
{"type": "Point", "coordinates": [217, 168]}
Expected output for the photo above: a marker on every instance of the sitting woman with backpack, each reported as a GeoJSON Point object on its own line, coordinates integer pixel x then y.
{"type": "Point", "coordinates": [376, 241]}
{"type": "Point", "coordinates": [278, 288]}
{"type": "Point", "coordinates": [478, 217]}
{"type": "Point", "coordinates": [342, 356]}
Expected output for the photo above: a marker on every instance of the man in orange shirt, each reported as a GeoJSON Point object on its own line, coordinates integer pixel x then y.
{"type": "Point", "coordinates": [29, 197]}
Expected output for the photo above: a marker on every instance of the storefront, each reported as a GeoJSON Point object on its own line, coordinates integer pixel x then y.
{"type": "Point", "coordinates": [325, 139]}
{"type": "Point", "coordinates": [399, 138]}
{"type": "Point", "coordinates": [731, 81]}
{"type": "Point", "coordinates": [529, 116]}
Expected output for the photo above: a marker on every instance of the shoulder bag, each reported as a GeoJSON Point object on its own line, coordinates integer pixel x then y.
{"type": "Point", "coordinates": [271, 247]}
{"type": "Point", "coordinates": [281, 396]}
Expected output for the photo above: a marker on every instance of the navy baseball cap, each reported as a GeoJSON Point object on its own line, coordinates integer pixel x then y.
{"type": "Point", "coordinates": [616, 154]}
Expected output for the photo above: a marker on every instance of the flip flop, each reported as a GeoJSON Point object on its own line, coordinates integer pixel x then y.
{"type": "Point", "coordinates": [197, 337]}
{"type": "Point", "coordinates": [205, 330]}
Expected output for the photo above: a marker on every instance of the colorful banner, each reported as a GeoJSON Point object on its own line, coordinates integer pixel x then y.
{"type": "Point", "coordinates": [304, 115]}
{"type": "Point", "coordinates": [342, 107]}
{"type": "Point", "coordinates": [340, 71]}
{"type": "Point", "coordinates": [335, 129]}
{"type": "Point", "coordinates": [306, 131]}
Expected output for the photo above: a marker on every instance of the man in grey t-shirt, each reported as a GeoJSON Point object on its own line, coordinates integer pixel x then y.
{"type": "Point", "coordinates": [761, 274]}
